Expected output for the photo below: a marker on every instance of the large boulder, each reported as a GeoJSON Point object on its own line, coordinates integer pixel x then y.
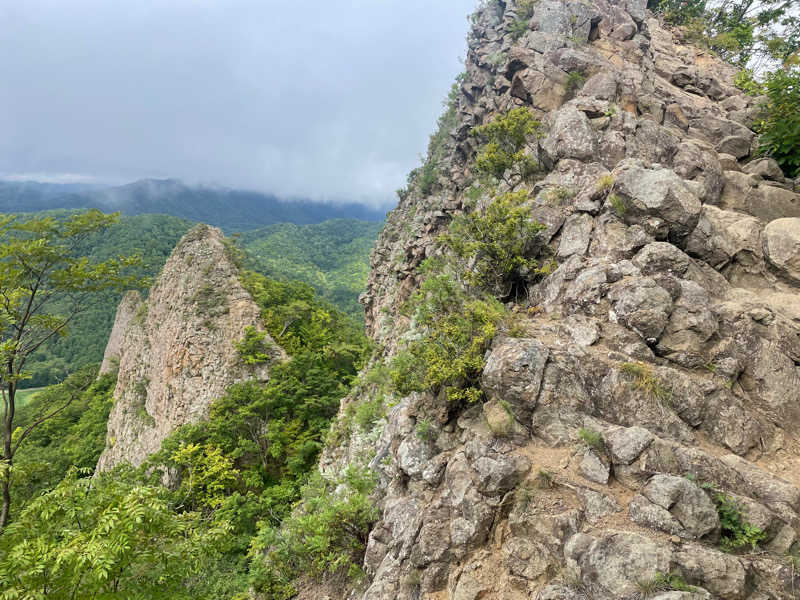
{"type": "Point", "coordinates": [782, 246]}
{"type": "Point", "coordinates": [722, 237]}
{"type": "Point", "coordinates": [656, 193]}
{"type": "Point", "coordinates": [616, 562]}
{"type": "Point", "coordinates": [513, 374]}
{"type": "Point", "coordinates": [675, 505]}
{"type": "Point", "coordinates": [641, 305]}
{"type": "Point", "coordinates": [571, 136]}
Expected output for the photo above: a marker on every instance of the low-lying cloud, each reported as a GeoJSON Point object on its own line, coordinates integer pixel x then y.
{"type": "Point", "coordinates": [321, 99]}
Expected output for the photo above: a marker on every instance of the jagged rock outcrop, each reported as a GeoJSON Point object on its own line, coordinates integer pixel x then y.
{"type": "Point", "coordinates": [176, 349]}
{"type": "Point", "coordinates": [669, 331]}
{"type": "Point", "coordinates": [126, 311]}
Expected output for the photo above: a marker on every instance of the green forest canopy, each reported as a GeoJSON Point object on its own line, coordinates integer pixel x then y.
{"type": "Point", "coordinates": [332, 257]}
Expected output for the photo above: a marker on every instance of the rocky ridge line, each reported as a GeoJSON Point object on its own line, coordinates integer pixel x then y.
{"type": "Point", "coordinates": [669, 331]}
{"type": "Point", "coordinates": [177, 348]}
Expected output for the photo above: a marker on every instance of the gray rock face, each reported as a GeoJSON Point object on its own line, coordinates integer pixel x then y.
{"type": "Point", "coordinates": [627, 443]}
{"type": "Point", "coordinates": [513, 374]}
{"type": "Point", "coordinates": [614, 563]}
{"type": "Point", "coordinates": [670, 327]}
{"type": "Point", "coordinates": [766, 168]}
{"type": "Point", "coordinates": [177, 354]}
{"type": "Point", "coordinates": [724, 237]}
{"type": "Point", "coordinates": [641, 305]}
{"type": "Point", "coordinates": [593, 468]}
{"type": "Point", "coordinates": [782, 246]}
{"type": "Point", "coordinates": [571, 136]}
{"type": "Point", "coordinates": [576, 235]}
{"type": "Point", "coordinates": [675, 505]}
{"type": "Point", "coordinates": [657, 193]}
{"type": "Point", "coordinates": [126, 312]}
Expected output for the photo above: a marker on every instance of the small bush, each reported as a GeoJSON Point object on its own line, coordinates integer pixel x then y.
{"type": "Point", "coordinates": [617, 204]}
{"type": "Point", "coordinates": [545, 479]}
{"type": "Point", "coordinates": [665, 582]}
{"type": "Point", "coordinates": [559, 194]}
{"type": "Point", "coordinates": [254, 348]}
{"type": "Point", "coordinates": [737, 533]}
{"type": "Point", "coordinates": [326, 539]}
{"type": "Point", "coordinates": [593, 439]}
{"type": "Point", "coordinates": [518, 28]}
{"type": "Point", "coordinates": [522, 23]}
{"type": "Point", "coordinates": [506, 138]}
{"type": "Point", "coordinates": [492, 248]}
{"type": "Point", "coordinates": [524, 495]}
{"type": "Point", "coordinates": [605, 183]}
{"type": "Point", "coordinates": [428, 177]}
{"type": "Point", "coordinates": [368, 412]}
{"type": "Point", "coordinates": [457, 330]}
{"type": "Point", "coordinates": [575, 81]}
{"type": "Point", "coordinates": [425, 430]}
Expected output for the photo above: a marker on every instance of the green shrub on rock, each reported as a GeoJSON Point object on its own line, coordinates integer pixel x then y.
{"type": "Point", "coordinates": [456, 332]}
{"type": "Point", "coordinates": [493, 247]}
{"type": "Point", "coordinates": [503, 156]}
{"type": "Point", "coordinates": [780, 129]}
{"type": "Point", "coordinates": [326, 537]}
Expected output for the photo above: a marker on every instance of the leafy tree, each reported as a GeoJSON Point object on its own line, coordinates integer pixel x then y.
{"type": "Point", "coordinates": [43, 262]}
{"type": "Point", "coordinates": [326, 537]}
{"type": "Point", "coordinates": [74, 437]}
{"type": "Point", "coordinates": [780, 129]}
{"type": "Point", "coordinates": [106, 537]}
{"type": "Point", "coordinates": [740, 31]}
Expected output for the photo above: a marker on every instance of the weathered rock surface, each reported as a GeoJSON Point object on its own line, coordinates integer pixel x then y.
{"type": "Point", "coordinates": [176, 349]}
{"type": "Point", "coordinates": [126, 311]}
{"type": "Point", "coordinates": [782, 246]}
{"type": "Point", "coordinates": [675, 505]}
{"type": "Point", "coordinates": [670, 329]}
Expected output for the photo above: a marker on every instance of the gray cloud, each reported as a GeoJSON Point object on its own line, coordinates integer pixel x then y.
{"type": "Point", "coordinates": [326, 99]}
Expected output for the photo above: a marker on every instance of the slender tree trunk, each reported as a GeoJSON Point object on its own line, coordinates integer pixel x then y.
{"type": "Point", "coordinates": [6, 499]}
{"type": "Point", "coordinates": [8, 432]}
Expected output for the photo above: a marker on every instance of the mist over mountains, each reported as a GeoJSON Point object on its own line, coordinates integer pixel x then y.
{"type": "Point", "coordinates": [232, 210]}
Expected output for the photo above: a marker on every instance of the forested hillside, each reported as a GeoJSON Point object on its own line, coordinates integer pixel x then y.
{"type": "Point", "coordinates": [332, 257]}
{"type": "Point", "coordinates": [231, 210]}
{"type": "Point", "coordinates": [122, 534]}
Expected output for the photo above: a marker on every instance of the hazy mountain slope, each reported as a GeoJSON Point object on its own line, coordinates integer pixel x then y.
{"type": "Point", "coordinates": [232, 210]}
{"type": "Point", "coordinates": [333, 257]}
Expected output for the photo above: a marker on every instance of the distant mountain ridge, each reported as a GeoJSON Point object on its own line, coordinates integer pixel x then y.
{"type": "Point", "coordinates": [232, 210]}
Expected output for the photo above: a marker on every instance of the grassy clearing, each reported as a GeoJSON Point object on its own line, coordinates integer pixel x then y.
{"type": "Point", "coordinates": [25, 396]}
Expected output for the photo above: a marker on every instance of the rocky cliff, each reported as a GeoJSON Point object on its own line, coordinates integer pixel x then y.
{"type": "Point", "coordinates": [655, 383]}
{"type": "Point", "coordinates": [176, 350]}
{"type": "Point", "coordinates": [126, 311]}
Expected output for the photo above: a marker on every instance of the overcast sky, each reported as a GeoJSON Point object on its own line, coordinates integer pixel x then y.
{"type": "Point", "coordinates": [325, 99]}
